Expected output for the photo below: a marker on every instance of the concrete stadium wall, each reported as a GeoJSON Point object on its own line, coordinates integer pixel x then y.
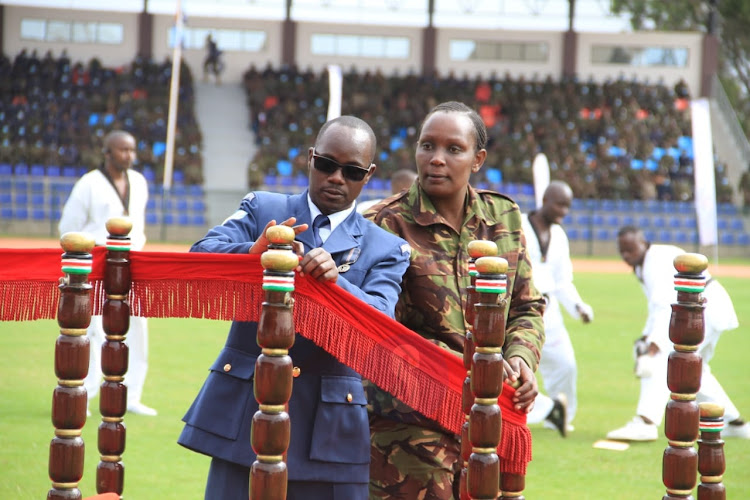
{"type": "Point", "coordinates": [109, 55]}
{"type": "Point", "coordinates": [238, 62]}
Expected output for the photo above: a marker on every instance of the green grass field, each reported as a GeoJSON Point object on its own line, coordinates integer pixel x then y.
{"type": "Point", "coordinates": [181, 351]}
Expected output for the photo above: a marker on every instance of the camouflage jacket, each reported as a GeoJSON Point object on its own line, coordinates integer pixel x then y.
{"type": "Point", "coordinates": [433, 296]}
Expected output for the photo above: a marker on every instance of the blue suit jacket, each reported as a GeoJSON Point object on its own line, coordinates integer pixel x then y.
{"type": "Point", "coordinates": [330, 438]}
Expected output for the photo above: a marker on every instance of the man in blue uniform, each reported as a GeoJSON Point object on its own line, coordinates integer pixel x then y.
{"type": "Point", "coordinates": [329, 452]}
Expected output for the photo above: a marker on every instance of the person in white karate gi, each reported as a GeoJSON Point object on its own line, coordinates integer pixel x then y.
{"type": "Point", "coordinates": [113, 190]}
{"type": "Point", "coordinates": [654, 267]}
{"type": "Point", "coordinates": [549, 251]}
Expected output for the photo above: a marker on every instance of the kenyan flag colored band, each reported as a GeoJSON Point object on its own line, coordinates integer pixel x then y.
{"type": "Point", "coordinates": [712, 425]}
{"type": "Point", "coordinates": [491, 286]}
{"type": "Point", "coordinates": [278, 283]}
{"type": "Point", "coordinates": [472, 269]}
{"type": "Point", "coordinates": [692, 285]}
{"type": "Point", "coordinates": [118, 245]}
{"type": "Point", "coordinates": [76, 266]}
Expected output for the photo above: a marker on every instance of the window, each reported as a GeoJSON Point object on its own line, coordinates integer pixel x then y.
{"type": "Point", "coordinates": [483, 50]}
{"type": "Point", "coordinates": [226, 39]}
{"type": "Point", "coordinates": [640, 56]}
{"type": "Point", "coordinates": [55, 30]}
{"type": "Point", "coordinates": [370, 46]}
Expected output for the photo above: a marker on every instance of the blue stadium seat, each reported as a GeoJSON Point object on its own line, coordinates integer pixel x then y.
{"type": "Point", "coordinates": [38, 214]}
{"type": "Point", "coordinates": [181, 205]}
{"type": "Point", "coordinates": [573, 234]}
{"type": "Point", "coordinates": [21, 213]}
{"type": "Point", "coordinates": [21, 198]}
{"type": "Point", "coordinates": [6, 213]}
{"type": "Point", "coordinates": [727, 238]}
{"type": "Point", "coordinates": [178, 177]}
{"type": "Point", "coordinates": [613, 221]}
{"type": "Point", "coordinates": [19, 185]}
{"type": "Point", "coordinates": [685, 207]}
{"type": "Point", "coordinates": [69, 172]}
{"type": "Point", "coordinates": [665, 236]}
{"type": "Point", "coordinates": [37, 171]}
{"type": "Point", "coordinates": [603, 234]}
{"type": "Point", "coordinates": [659, 222]}
{"type": "Point", "coordinates": [743, 239]}
{"type": "Point", "coordinates": [198, 206]}
{"type": "Point", "coordinates": [21, 169]}
{"type": "Point", "coordinates": [722, 224]}
{"type": "Point", "coordinates": [690, 222]}
{"type": "Point", "coordinates": [650, 234]}
{"type": "Point", "coordinates": [644, 221]}
{"type": "Point", "coordinates": [583, 219]}
{"type": "Point", "coordinates": [607, 205]}
{"type": "Point", "coordinates": [675, 222]}
{"type": "Point", "coordinates": [198, 220]}
{"type": "Point", "coordinates": [55, 214]}
{"type": "Point", "coordinates": [151, 218]}
{"type": "Point", "coordinates": [637, 206]}
{"type": "Point", "coordinates": [269, 180]}
{"type": "Point", "coordinates": [5, 198]}
{"type": "Point", "coordinates": [567, 220]}
{"type": "Point", "coordinates": [168, 218]}
{"type": "Point", "coordinates": [37, 186]}
{"type": "Point", "coordinates": [5, 169]}
{"type": "Point", "coordinates": [178, 190]}
{"type": "Point", "coordinates": [151, 204]}
{"type": "Point", "coordinates": [53, 171]}
{"type": "Point", "coordinates": [627, 220]}
{"type": "Point", "coordinates": [183, 219]}
{"type": "Point", "coordinates": [736, 224]}
{"type": "Point", "coordinates": [195, 190]}
{"type": "Point", "coordinates": [37, 200]}
{"type": "Point", "coordinates": [597, 219]}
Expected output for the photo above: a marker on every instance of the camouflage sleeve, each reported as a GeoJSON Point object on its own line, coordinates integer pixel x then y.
{"type": "Point", "coordinates": [525, 326]}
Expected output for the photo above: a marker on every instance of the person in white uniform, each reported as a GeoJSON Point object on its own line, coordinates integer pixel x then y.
{"type": "Point", "coordinates": [113, 190]}
{"type": "Point", "coordinates": [653, 266]}
{"type": "Point", "coordinates": [549, 251]}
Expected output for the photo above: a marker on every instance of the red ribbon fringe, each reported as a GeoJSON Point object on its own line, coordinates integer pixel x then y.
{"type": "Point", "coordinates": [228, 287]}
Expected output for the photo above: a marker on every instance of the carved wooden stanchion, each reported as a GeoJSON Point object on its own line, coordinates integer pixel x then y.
{"type": "Point", "coordinates": [686, 331]}
{"type": "Point", "coordinates": [110, 472]}
{"type": "Point", "coordinates": [476, 249]}
{"type": "Point", "coordinates": [483, 476]}
{"type": "Point", "coordinates": [66, 451]}
{"type": "Point", "coordinates": [273, 368]}
{"type": "Point", "coordinates": [711, 462]}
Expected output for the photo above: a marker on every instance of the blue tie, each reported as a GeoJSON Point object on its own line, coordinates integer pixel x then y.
{"type": "Point", "coordinates": [320, 222]}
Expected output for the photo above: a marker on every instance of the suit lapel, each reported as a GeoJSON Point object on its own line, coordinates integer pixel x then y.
{"type": "Point", "coordinates": [345, 237]}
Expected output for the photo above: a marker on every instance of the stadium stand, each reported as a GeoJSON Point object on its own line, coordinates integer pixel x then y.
{"type": "Point", "coordinates": [55, 113]}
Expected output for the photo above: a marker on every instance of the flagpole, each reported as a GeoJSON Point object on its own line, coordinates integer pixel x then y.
{"type": "Point", "coordinates": [174, 91]}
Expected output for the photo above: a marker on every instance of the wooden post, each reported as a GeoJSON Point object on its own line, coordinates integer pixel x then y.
{"type": "Point", "coordinates": [476, 249]}
{"type": "Point", "coordinates": [271, 428]}
{"type": "Point", "coordinates": [711, 461]}
{"type": "Point", "coordinates": [110, 472]}
{"type": "Point", "coordinates": [66, 451]}
{"type": "Point", "coordinates": [483, 476]}
{"type": "Point", "coordinates": [686, 331]}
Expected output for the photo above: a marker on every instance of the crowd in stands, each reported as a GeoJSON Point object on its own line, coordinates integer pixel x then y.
{"type": "Point", "coordinates": [620, 139]}
{"type": "Point", "coordinates": [54, 113]}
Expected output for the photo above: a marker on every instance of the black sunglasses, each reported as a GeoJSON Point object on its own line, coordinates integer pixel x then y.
{"type": "Point", "coordinates": [329, 166]}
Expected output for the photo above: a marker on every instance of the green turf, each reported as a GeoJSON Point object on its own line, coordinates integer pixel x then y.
{"type": "Point", "coordinates": [181, 351]}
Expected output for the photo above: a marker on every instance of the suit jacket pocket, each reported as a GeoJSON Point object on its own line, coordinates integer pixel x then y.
{"type": "Point", "coordinates": [341, 433]}
{"type": "Point", "coordinates": [222, 402]}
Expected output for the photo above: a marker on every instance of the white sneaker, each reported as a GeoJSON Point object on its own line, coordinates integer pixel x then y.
{"type": "Point", "coordinates": [635, 430]}
{"type": "Point", "coordinates": [736, 431]}
{"type": "Point", "coordinates": [141, 409]}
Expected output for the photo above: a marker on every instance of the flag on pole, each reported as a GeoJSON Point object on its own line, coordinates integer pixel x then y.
{"type": "Point", "coordinates": [705, 181]}
{"type": "Point", "coordinates": [540, 169]}
{"type": "Point", "coordinates": [335, 84]}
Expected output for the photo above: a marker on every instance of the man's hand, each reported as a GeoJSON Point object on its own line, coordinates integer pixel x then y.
{"type": "Point", "coordinates": [528, 390]}
{"type": "Point", "coordinates": [586, 312]}
{"type": "Point", "coordinates": [320, 265]}
{"type": "Point", "coordinates": [261, 244]}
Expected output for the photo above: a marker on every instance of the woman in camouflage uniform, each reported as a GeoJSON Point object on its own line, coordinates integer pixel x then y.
{"type": "Point", "coordinates": [411, 456]}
